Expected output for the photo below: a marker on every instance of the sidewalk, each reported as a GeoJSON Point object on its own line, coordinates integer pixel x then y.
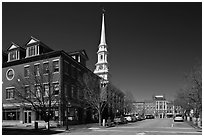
{"type": "Point", "coordinates": [194, 126]}
{"type": "Point", "coordinates": [23, 129]}
{"type": "Point", "coordinates": [79, 127]}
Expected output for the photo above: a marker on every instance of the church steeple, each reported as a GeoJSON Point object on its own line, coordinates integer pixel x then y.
{"type": "Point", "coordinates": [102, 64]}
{"type": "Point", "coordinates": [103, 35]}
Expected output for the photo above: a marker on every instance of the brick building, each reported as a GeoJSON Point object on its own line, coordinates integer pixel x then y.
{"type": "Point", "coordinates": [66, 68]}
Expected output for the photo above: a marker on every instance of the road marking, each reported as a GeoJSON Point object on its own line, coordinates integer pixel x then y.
{"type": "Point", "coordinates": [172, 125]}
{"type": "Point", "coordinates": [93, 128]}
{"type": "Point", "coordinates": [140, 133]}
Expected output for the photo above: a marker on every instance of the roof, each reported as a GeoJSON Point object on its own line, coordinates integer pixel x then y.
{"type": "Point", "coordinates": [81, 52]}
{"type": "Point", "coordinates": [14, 46]}
{"type": "Point", "coordinates": [33, 40]}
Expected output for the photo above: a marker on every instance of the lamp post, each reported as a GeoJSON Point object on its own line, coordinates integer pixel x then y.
{"type": "Point", "coordinates": [67, 112]}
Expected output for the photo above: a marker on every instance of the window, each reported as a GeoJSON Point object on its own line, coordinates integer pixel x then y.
{"type": "Point", "coordinates": [46, 68]}
{"type": "Point", "coordinates": [13, 55]}
{"type": "Point", "coordinates": [27, 92]}
{"type": "Point", "coordinates": [56, 88]}
{"type": "Point", "coordinates": [31, 51]}
{"type": "Point", "coordinates": [46, 89]}
{"type": "Point", "coordinates": [79, 60]}
{"type": "Point", "coordinates": [101, 57]}
{"type": "Point", "coordinates": [11, 114]}
{"type": "Point", "coordinates": [160, 106]}
{"type": "Point", "coordinates": [10, 93]}
{"type": "Point", "coordinates": [10, 74]}
{"type": "Point", "coordinates": [37, 91]}
{"type": "Point", "coordinates": [26, 71]}
{"type": "Point", "coordinates": [37, 70]}
{"type": "Point", "coordinates": [56, 66]}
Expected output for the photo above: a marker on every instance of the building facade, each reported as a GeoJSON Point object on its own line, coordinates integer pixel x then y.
{"type": "Point", "coordinates": [158, 106]}
{"type": "Point", "coordinates": [161, 106]}
{"type": "Point", "coordinates": [59, 72]}
{"type": "Point", "coordinates": [139, 108]}
{"type": "Point", "coordinates": [65, 68]}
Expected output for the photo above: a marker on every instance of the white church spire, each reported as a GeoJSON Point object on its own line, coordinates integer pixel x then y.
{"type": "Point", "coordinates": [103, 36]}
{"type": "Point", "coordinates": [102, 63]}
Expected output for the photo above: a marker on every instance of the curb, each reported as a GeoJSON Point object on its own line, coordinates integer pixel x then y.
{"type": "Point", "coordinates": [194, 126]}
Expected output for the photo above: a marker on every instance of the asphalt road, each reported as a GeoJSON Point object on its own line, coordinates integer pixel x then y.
{"type": "Point", "coordinates": [145, 127]}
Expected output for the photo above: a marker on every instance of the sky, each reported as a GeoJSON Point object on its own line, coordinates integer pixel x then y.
{"type": "Point", "coordinates": [151, 45]}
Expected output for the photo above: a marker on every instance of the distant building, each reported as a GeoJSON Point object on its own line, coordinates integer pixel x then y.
{"type": "Point", "coordinates": [170, 109]}
{"type": "Point", "coordinates": [149, 107]}
{"type": "Point", "coordinates": [139, 108]}
{"type": "Point", "coordinates": [158, 106]}
{"type": "Point", "coordinates": [161, 106]}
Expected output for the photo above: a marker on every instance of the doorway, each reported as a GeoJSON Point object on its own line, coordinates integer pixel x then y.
{"type": "Point", "coordinates": [27, 115]}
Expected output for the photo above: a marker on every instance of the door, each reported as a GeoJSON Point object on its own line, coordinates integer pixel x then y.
{"type": "Point", "coordinates": [27, 115]}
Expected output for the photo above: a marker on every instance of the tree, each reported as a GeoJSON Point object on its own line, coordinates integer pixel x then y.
{"type": "Point", "coordinates": [37, 90]}
{"type": "Point", "coordinates": [128, 102]}
{"type": "Point", "coordinates": [94, 95]}
{"type": "Point", "coordinates": [190, 96]}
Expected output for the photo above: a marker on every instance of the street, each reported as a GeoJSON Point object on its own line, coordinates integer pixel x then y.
{"type": "Point", "coordinates": [145, 127]}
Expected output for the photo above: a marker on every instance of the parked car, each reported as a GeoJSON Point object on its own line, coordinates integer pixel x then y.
{"type": "Point", "coordinates": [120, 120]}
{"type": "Point", "coordinates": [178, 117]}
{"type": "Point", "coordinates": [149, 116]}
{"type": "Point", "coordinates": [137, 116]}
{"type": "Point", "coordinates": [142, 117]}
{"type": "Point", "coordinates": [128, 118]}
{"type": "Point", "coordinates": [134, 119]}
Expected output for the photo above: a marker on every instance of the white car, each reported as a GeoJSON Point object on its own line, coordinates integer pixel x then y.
{"type": "Point", "coordinates": [128, 118]}
{"type": "Point", "coordinates": [178, 117]}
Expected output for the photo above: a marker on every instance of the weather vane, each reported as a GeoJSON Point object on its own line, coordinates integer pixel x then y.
{"type": "Point", "coordinates": [103, 10]}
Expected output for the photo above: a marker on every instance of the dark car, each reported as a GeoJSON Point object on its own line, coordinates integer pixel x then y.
{"type": "Point", "coordinates": [120, 120]}
{"type": "Point", "coordinates": [149, 116]}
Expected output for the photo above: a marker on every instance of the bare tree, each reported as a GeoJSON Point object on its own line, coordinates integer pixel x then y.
{"type": "Point", "coordinates": [37, 90]}
{"type": "Point", "coordinates": [190, 96]}
{"type": "Point", "coordinates": [94, 95]}
{"type": "Point", "coordinates": [128, 102]}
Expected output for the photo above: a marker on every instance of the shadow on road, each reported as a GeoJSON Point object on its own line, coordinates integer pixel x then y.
{"type": "Point", "coordinates": [17, 131]}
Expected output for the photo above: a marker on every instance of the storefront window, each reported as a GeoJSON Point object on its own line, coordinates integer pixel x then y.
{"type": "Point", "coordinates": [11, 114]}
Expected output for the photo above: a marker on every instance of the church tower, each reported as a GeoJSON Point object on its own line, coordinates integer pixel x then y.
{"type": "Point", "coordinates": [102, 64]}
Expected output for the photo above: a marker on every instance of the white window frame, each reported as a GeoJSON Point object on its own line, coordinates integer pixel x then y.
{"type": "Point", "coordinates": [9, 88]}
{"type": "Point", "coordinates": [58, 65]}
{"type": "Point", "coordinates": [45, 90]}
{"type": "Point", "coordinates": [24, 71]}
{"type": "Point", "coordinates": [56, 82]}
{"type": "Point", "coordinates": [17, 55]}
{"type": "Point", "coordinates": [46, 62]}
{"type": "Point", "coordinates": [35, 90]}
{"type": "Point", "coordinates": [36, 51]}
{"type": "Point", "coordinates": [7, 73]}
{"type": "Point", "coordinates": [29, 91]}
{"type": "Point", "coordinates": [37, 64]}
